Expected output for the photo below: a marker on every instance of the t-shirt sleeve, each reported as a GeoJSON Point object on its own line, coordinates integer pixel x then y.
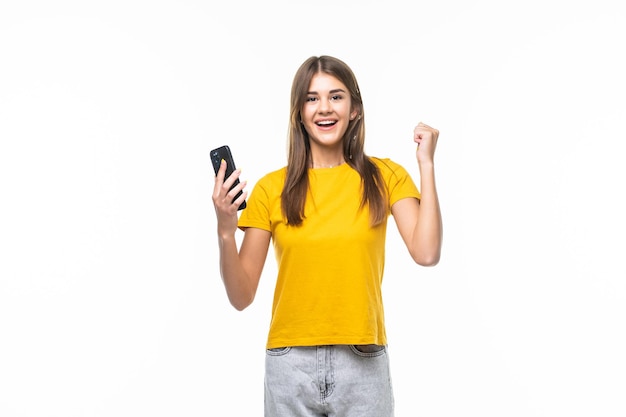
{"type": "Point", "coordinates": [257, 211]}
{"type": "Point", "coordinates": [399, 183]}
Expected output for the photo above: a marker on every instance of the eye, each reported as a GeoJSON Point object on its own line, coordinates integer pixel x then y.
{"type": "Point", "coordinates": [311, 99]}
{"type": "Point", "coordinates": [336, 97]}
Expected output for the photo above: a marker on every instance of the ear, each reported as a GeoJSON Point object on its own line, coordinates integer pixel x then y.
{"type": "Point", "coordinates": [354, 114]}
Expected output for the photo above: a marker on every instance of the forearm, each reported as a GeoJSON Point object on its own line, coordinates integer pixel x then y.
{"type": "Point", "coordinates": [238, 285]}
{"type": "Point", "coordinates": [428, 233]}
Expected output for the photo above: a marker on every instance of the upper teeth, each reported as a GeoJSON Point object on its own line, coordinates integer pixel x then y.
{"type": "Point", "coordinates": [325, 122]}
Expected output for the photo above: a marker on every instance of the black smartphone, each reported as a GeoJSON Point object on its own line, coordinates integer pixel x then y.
{"type": "Point", "coordinates": [223, 152]}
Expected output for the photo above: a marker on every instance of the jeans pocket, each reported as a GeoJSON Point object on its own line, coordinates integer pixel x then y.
{"type": "Point", "coordinates": [278, 351]}
{"type": "Point", "coordinates": [368, 350]}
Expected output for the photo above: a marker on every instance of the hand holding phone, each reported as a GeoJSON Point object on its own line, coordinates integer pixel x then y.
{"type": "Point", "coordinates": [223, 152]}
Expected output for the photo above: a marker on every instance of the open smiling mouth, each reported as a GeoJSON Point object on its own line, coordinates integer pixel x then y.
{"type": "Point", "coordinates": [326, 123]}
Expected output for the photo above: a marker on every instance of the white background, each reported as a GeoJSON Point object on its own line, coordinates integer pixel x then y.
{"type": "Point", "coordinates": [111, 303]}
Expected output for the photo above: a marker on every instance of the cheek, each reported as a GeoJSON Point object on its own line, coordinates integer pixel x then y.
{"type": "Point", "coordinates": [307, 126]}
{"type": "Point", "coordinates": [307, 109]}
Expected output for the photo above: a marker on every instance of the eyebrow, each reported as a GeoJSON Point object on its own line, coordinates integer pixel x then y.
{"type": "Point", "coordinates": [336, 90]}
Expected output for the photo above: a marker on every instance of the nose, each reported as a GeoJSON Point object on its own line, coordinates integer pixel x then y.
{"type": "Point", "coordinates": [324, 106]}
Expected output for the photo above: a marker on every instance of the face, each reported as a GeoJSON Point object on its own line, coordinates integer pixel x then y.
{"type": "Point", "coordinates": [327, 111]}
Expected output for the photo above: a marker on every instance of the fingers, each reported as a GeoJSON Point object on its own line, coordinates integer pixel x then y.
{"type": "Point", "coordinates": [219, 177]}
{"type": "Point", "coordinates": [237, 202]}
{"type": "Point", "coordinates": [426, 138]}
{"type": "Point", "coordinates": [223, 195]}
{"type": "Point", "coordinates": [422, 131]}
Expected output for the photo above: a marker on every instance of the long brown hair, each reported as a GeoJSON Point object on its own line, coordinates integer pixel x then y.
{"type": "Point", "coordinates": [296, 185]}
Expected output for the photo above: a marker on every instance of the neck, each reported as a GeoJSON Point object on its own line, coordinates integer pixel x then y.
{"type": "Point", "coordinates": [326, 165]}
{"type": "Point", "coordinates": [326, 157]}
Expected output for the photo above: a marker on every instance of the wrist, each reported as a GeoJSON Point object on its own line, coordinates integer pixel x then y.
{"type": "Point", "coordinates": [225, 237]}
{"type": "Point", "coordinates": [426, 165]}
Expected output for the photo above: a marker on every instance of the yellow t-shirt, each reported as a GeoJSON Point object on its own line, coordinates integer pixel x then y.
{"type": "Point", "coordinates": [330, 269]}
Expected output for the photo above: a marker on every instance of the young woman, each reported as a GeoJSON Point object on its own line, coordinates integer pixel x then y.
{"type": "Point", "coordinates": [326, 215]}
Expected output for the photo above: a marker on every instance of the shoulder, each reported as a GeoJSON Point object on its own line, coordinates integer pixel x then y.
{"type": "Point", "coordinates": [388, 167]}
{"type": "Point", "coordinates": [273, 179]}
{"type": "Point", "coordinates": [399, 182]}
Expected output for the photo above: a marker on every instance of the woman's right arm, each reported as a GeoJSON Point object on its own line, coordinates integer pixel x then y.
{"type": "Point", "coordinates": [240, 270]}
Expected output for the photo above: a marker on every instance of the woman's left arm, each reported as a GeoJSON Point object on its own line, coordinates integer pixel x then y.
{"type": "Point", "coordinates": [419, 222]}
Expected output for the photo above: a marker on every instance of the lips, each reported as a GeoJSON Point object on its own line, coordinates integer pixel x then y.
{"type": "Point", "coordinates": [326, 123]}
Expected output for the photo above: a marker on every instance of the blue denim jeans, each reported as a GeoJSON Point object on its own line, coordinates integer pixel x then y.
{"type": "Point", "coordinates": [328, 381]}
